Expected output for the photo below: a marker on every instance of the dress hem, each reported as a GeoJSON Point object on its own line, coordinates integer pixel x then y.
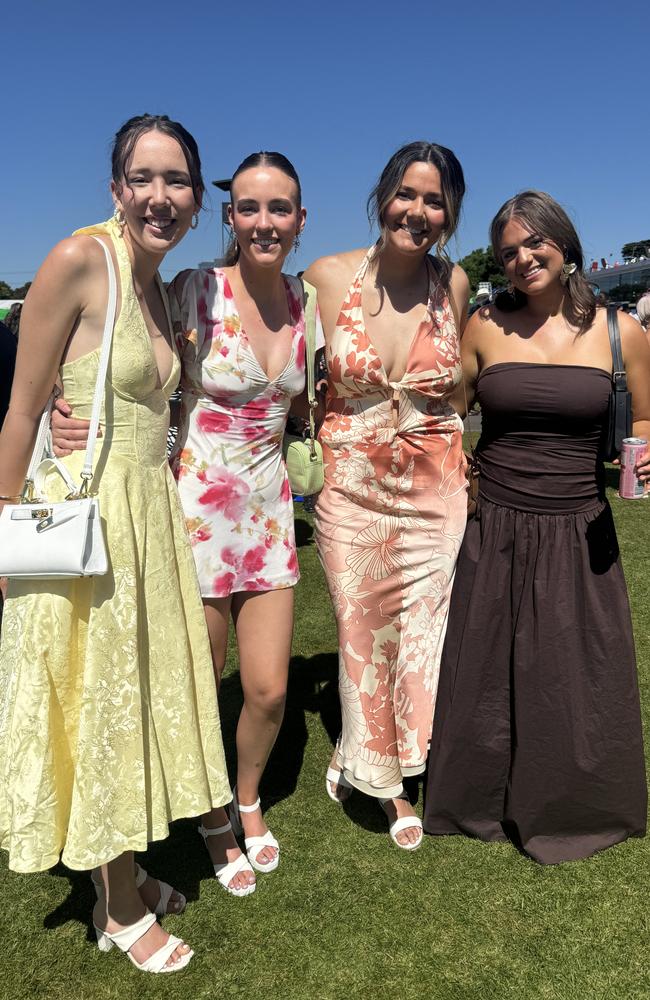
{"type": "Point", "coordinates": [138, 844]}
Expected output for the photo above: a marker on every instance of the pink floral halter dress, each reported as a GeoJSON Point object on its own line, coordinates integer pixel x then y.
{"type": "Point", "coordinates": [390, 521]}
{"type": "Point", "coordinates": [228, 454]}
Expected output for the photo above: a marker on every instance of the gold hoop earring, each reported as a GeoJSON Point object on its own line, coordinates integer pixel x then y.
{"type": "Point", "coordinates": [119, 216]}
{"type": "Point", "coordinates": [195, 221]}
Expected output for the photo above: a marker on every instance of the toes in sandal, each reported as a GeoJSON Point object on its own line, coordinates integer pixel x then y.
{"type": "Point", "coordinates": [128, 936]}
{"type": "Point", "coordinates": [165, 890]}
{"type": "Point", "coordinates": [337, 778]}
{"type": "Point", "coordinates": [227, 871]}
{"type": "Point", "coordinates": [254, 845]}
{"type": "Point", "coordinates": [403, 823]}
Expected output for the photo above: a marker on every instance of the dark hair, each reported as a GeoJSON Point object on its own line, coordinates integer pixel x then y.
{"type": "Point", "coordinates": [453, 189]}
{"type": "Point", "coordinates": [264, 158]}
{"type": "Point", "coordinates": [127, 136]}
{"type": "Point", "coordinates": [542, 215]}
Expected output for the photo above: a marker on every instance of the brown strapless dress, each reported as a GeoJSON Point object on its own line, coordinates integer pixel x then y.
{"type": "Point", "coordinates": [537, 730]}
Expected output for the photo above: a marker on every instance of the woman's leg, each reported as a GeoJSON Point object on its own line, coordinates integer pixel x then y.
{"type": "Point", "coordinates": [222, 848]}
{"type": "Point", "coordinates": [264, 626]}
{"type": "Point", "coordinates": [119, 905]}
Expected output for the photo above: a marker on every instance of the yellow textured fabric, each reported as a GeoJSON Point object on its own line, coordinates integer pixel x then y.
{"type": "Point", "coordinates": [109, 726]}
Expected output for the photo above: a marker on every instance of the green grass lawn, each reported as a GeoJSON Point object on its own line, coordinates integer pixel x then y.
{"type": "Point", "coordinates": [347, 914]}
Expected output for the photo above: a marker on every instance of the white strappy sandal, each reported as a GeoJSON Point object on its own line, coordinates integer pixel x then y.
{"type": "Point", "coordinates": [227, 871]}
{"type": "Point", "coordinates": [164, 889]}
{"type": "Point", "coordinates": [128, 936]}
{"type": "Point", "coordinates": [337, 778]}
{"type": "Point", "coordinates": [254, 845]}
{"type": "Point", "coordinates": [403, 823]}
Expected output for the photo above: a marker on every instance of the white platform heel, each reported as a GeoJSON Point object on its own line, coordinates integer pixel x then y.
{"type": "Point", "coordinates": [254, 845]}
{"type": "Point", "coordinates": [128, 936]}
{"type": "Point", "coordinates": [227, 871]}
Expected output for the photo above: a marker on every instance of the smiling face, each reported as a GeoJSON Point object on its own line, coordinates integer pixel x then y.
{"type": "Point", "coordinates": [156, 195]}
{"type": "Point", "coordinates": [415, 216]}
{"type": "Point", "coordinates": [265, 215]}
{"type": "Point", "coordinates": [532, 263]}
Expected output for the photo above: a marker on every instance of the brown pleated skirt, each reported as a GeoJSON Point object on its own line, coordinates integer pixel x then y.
{"type": "Point", "coordinates": [537, 730]}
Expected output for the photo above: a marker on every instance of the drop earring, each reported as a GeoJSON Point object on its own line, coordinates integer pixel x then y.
{"type": "Point", "coordinates": [195, 221]}
{"type": "Point", "coordinates": [568, 268]}
{"type": "Point", "coordinates": [296, 242]}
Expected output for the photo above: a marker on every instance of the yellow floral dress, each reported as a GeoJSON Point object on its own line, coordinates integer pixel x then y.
{"type": "Point", "coordinates": [109, 726]}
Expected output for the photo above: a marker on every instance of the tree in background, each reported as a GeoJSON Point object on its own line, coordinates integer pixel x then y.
{"type": "Point", "coordinates": [7, 292]}
{"type": "Point", "coordinates": [626, 293]}
{"type": "Point", "coordinates": [631, 250]}
{"type": "Point", "coordinates": [480, 265]}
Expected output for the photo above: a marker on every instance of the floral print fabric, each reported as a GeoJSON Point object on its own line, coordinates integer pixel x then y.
{"type": "Point", "coordinates": [228, 453]}
{"type": "Point", "coordinates": [109, 726]}
{"type": "Point", "coordinates": [390, 521]}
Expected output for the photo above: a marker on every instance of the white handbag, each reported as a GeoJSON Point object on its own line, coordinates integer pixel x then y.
{"type": "Point", "coordinates": [51, 540]}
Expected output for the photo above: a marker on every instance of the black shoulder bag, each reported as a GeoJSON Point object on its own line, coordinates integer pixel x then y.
{"type": "Point", "coordinates": [619, 418]}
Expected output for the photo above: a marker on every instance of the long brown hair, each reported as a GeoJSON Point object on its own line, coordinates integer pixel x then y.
{"type": "Point", "coordinates": [543, 216]}
{"type": "Point", "coordinates": [452, 185]}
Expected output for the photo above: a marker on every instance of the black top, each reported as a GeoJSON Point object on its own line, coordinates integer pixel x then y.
{"type": "Point", "coordinates": [541, 435]}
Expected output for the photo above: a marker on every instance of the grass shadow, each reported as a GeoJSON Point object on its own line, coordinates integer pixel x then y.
{"type": "Point", "coordinates": [78, 904]}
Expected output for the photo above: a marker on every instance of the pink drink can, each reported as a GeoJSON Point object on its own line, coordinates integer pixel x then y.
{"type": "Point", "coordinates": [630, 487]}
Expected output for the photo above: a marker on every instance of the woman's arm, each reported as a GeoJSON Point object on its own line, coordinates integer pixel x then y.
{"type": "Point", "coordinates": [53, 307]}
{"type": "Point", "coordinates": [636, 356]}
{"type": "Point", "coordinates": [459, 297]}
{"type": "Point", "coordinates": [469, 355]}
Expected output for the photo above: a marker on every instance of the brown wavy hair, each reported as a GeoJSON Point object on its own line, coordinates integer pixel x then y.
{"type": "Point", "coordinates": [452, 189]}
{"type": "Point", "coordinates": [129, 133]}
{"type": "Point", "coordinates": [543, 216]}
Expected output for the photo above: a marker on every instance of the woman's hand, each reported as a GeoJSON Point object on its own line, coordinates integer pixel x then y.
{"type": "Point", "coordinates": [642, 468]}
{"type": "Point", "coordinates": [68, 434]}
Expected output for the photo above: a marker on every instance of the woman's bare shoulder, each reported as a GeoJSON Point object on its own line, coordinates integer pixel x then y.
{"type": "Point", "coordinates": [459, 280]}
{"type": "Point", "coordinates": [335, 268]}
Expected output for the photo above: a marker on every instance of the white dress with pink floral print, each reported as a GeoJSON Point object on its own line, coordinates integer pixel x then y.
{"type": "Point", "coordinates": [228, 454]}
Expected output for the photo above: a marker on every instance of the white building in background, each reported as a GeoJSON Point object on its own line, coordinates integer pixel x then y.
{"type": "Point", "coordinates": [608, 278]}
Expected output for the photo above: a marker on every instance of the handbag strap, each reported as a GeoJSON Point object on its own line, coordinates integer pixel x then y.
{"type": "Point", "coordinates": [619, 378]}
{"type": "Point", "coordinates": [310, 354]}
{"type": "Point", "coordinates": [109, 323]}
{"type": "Point", "coordinates": [43, 427]}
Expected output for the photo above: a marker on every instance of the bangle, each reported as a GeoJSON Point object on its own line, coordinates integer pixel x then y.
{"type": "Point", "coordinates": [10, 499]}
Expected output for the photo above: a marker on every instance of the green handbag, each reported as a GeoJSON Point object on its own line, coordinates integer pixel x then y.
{"type": "Point", "coordinates": [304, 456]}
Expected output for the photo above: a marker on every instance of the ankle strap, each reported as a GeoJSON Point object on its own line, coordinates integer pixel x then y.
{"type": "Point", "coordinates": [248, 809]}
{"type": "Point", "coordinates": [215, 831]}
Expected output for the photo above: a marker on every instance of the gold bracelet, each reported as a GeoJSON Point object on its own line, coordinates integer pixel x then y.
{"type": "Point", "coordinates": [10, 499]}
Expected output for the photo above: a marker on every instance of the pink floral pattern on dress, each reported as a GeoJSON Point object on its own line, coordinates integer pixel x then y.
{"type": "Point", "coordinates": [390, 521]}
{"type": "Point", "coordinates": [228, 453]}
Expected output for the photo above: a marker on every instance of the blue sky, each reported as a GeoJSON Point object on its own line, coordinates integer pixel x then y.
{"type": "Point", "coordinates": [551, 95]}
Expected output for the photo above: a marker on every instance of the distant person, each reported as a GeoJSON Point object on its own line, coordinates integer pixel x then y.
{"type": "Point", "coordinates": [12, 319]}
{"type": "Point", "coordinates": [7, 366]}
{"type": "Point", "coordinates": [643, 311]}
